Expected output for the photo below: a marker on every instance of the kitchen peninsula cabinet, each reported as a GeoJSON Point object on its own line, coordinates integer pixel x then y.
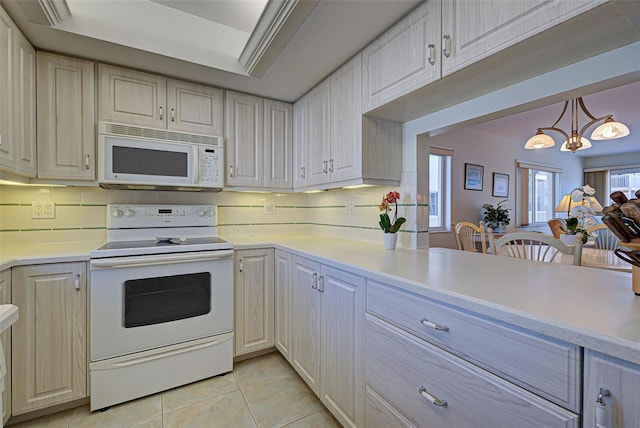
{"type": "Point", "coordinates": [326, 335]}
{"type": "Point", "coordinates": [258, 142]}
{"type": "Point", "coordinates": [66, 118]}
{"type": "Point", "coordinates": [621, 381]}
{"type": "Point", "coordinates": [17, 100]}
{"type": "Point", "coordinates": [5, 298]}
{"type": "Point", "coordinates": [254, 300]}
{"type": "Point", "coordinates": [144, 99]}
{"type": "Point", "coordinates": [49, 347]}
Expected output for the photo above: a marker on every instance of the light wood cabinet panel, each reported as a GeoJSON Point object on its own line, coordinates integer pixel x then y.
{"type": "Point", "coordinates": [318, 133]}
{"type": "Point", "coordinates": [341, 385]}
{"type": "Point", "coordinates": [49, 348]}
{"type": "Point", "coordinates": [5, 337]}
{"type": "Point", "coordinates": [7, 143]}
{"type": "Point", "coordinates": [305, 321]}
{"type": "Point", "coordinates": [243, 132]}
{"type": "Point", "coordinates": [300, 143]}
{"type": "Point", "coordinates": [278, 144]}
{"type": "Point", "coordinates": [346, 121]}
{"type": "Point", "coordinates": [24, 119]}
{"type": "Point", "coordinates": [282, 296]}
{"type": "Point", "coordinates": [404, 58]}
{"type": "Point", "coordinates": [66, 118]}
{"type": "Point", "coordinates": [622, 380]}
{"type": "Point", "coordinates": [415, 376]}
{"type": "Point", "coordinates": [473, 30]}
{"type": "Point", "coordinates": [254, 305]}
{"type": "Point", "coordinates": [132, 97]}
{"type": "Point", "coordinates": [194, 108]}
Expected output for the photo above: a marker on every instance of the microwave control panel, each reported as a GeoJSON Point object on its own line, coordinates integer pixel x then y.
{"type": "Point", "coordinates": [210, 160]}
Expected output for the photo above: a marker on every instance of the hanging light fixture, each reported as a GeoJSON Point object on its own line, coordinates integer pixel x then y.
{"type": "Point", "coordinates": [608, 130]}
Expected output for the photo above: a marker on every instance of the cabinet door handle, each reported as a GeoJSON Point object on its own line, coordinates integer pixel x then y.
{"type": "Point", "coordinates": [314, 281]}
{"type": "Point", "coordinates": [230, 170]}
{"type": "Point", "coordinates": [432, 53]}
{"type": "Point", "coordinates": [432, 398]}
{"type": "Point", "coordinates": [324, 166]}
{"type": "Point", "coordinates": [241, 265]}
{"type": "Point", "coordinates": [87, 158]}
{"type": "Point", "coordinates": [321, 286]}
{"type": "Point", "coordinates": [303, 172]}
{"type": "Point", "coordinates": [161, 113]}
{"type": "Point", "coordinates": [446, 45]}
{"type": "Point", "coordinates": [76, 282]}
{"type": "Point", "coordinates": [425, 322]}
{"type": "Point", "coordinates": [601, 408]}
{"type": "Point", "coordinates": [330, 165]}
{"type": "Point", "coordinates": [173, 115]}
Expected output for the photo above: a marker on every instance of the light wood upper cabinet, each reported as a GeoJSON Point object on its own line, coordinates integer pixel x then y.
{"type": "Point", "coordinates": [254, 292]}
{"type": "Point", "coordinates": [282, 297]}
{"type": "Point", "coordinates": [243, 133]}
{"type": "Point", "coordinates": [318, 133]}
{"type": "Point", "coordinates": [622, 380]}
{"type": "Point", "coordinates": [49, 348]}
{"type": "Point", "coordinates": [66, 118]}
{"type": "Point", "coordinates": [473, 30]}
{"type": "Point", "coordinates": [5, 298]}
{"type": "Point", "coordinates": [278, 144]}
{"type": "Point", "coordinates": [300, 143]}
{"type": "Point", "coordinates": [194, 108]}
{"type": "Point", "coordinates": [404, 58]}
{"type": "Point", "coordinates": [17, 100]}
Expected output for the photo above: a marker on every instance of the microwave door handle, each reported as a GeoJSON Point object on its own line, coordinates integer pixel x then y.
{"type": "Point", "coordinates": [160, 259]}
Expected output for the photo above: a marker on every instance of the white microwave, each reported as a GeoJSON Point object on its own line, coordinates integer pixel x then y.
{"type": "Point", "coordinates": [131, 157]}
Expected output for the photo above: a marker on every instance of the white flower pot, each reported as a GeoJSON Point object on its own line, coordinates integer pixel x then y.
{"type": "Point", "coordinates": [390, 240]}
{"type": "Point", "coordinates": [568, 239]}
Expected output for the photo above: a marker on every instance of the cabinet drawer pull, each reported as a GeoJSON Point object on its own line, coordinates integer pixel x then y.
{"type": "Point", "coordinates": [303, 172]}
{"type": "Point", "coordinates": [432, 53]}
{"type": "Point", "coordinates": [446, 45]}
{"type": "Point", "coordinates": [230, 170]}
{"type": "Point", "coordinates": [87, 158]}
{"type": "Point", "coordinates": [173, 115]}
{"type": "Point", "coordinates": [330, 165]}
{"type": "Point", "coordinates": [241, 266]}
{"type": "Point", "coordinates": [432, 398]}
{"type": "Point", "coordinates": [76, 282]}
{"type": "Point", "coordinates": [425, 322]}
{"type": "Point", "coordinates": [161, 113]}
{"type": "Point", "coordinates": [601, 408]}
{"type": "Point", "coordinates": [324, 166]}
{"type": "Point", "coordinates": [314, 281]}
{"type": "Point", "coordinates": [321, 285]}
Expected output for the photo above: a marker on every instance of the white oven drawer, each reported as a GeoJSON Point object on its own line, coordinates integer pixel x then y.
{"type": "Point", "coordinates": [116, 331]}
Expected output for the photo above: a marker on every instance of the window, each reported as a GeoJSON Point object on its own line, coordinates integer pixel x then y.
{"type": "Point", "coordinates": [626, 181]}
{"type": "Point", "coordinates": [439, 188]}
{"type": "Point", "coordinates": [537, 192]}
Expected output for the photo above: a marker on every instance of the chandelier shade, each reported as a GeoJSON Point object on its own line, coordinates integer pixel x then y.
{"type": "Point", "coordinates": [609, 129]}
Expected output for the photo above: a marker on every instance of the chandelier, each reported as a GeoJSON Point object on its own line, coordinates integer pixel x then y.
{"type": "Point", "coordinates": [608, 130]}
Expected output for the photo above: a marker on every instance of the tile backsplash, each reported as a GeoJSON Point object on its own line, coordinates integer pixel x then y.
{"type": "Point", "coordinates": [80, 212]}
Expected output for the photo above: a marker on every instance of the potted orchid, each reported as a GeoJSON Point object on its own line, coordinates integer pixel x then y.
{"type": "Point", "coordinates": [580, 217]}
{"type": "Point", "coordinates": [388, 227]}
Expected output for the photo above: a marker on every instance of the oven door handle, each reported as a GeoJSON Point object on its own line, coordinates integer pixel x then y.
{"type": "Point", "coordinates": [160, 259]}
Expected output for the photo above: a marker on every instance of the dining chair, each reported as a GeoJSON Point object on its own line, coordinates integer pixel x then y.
{"type": "Point", "coordinates": [556, 225]}
{"type": "Point", "coordinates": [536, 246]}
{"type": "Point", "coordinates": [604, 238]}
{"type": "Point", "coordinates": [466, 234]}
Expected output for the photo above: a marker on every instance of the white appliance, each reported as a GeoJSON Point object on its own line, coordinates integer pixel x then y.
{"type": "Point", "coordinates": [131, 157]}
{"type": "Point", "coordinates": [161, 302]}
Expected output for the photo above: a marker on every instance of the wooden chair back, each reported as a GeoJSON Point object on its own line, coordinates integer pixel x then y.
{"type": "Point", "coordinates": [605, 239]}
{"type": "Point", "coordinates": [556, 225]}
{"type": "Point", "coordinates": [466, 233]}
{"type": "Point", "coordinates": [536, 246]}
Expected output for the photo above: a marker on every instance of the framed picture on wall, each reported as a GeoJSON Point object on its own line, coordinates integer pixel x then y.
{"type": "Point", "coordinates": [473, 176]}
{"type": "Point", "coordinates": [500, 185]}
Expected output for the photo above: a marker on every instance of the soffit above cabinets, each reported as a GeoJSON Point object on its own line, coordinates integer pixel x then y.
{"type": "Point", "coordinates": [202, 40]}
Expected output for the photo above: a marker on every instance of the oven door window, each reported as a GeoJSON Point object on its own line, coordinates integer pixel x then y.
{"type": "Point", "coordinates": [157, 300]}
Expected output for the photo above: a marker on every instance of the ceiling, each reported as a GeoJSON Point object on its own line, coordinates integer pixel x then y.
{"type": "Point", "coordinates": [622, 102]}
{"type": "Point", "coordinates": [200, 40]}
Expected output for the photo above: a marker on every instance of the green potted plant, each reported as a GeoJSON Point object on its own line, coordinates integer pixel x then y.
{"type": "Point", "coordinates": [496, 217]}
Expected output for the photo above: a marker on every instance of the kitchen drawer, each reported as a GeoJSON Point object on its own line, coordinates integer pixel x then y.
{"type": "Point", "coordinates": [548, 367]}
{"type": "Point", "coordinates": [398, 366]}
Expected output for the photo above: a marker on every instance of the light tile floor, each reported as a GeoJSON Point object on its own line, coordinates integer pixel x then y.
{"type": "Point", "coordinates": [261, 392]}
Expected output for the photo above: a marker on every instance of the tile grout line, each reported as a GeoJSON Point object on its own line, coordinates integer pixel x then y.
{"type": "Point", "coordinates": [255, 421]}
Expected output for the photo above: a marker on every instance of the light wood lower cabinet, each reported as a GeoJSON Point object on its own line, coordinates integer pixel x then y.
{"type": "Point", "coordinates": [282, 297]}
{"type": "Point", "coordinates": [49, 348]}
{"type": "Point", "coordinates": [621, 379]}
{"type": "Point", "coordinates": [326, 336]}
{"type": "Point", "coordinates": [254, 300]}
{"type": "Point", "coordinates": [5, 297]}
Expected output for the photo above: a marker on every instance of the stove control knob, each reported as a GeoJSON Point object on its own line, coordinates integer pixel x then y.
{"type": "Point", "coordinates": [117, 213]}
{"type": "Point", "coordinates": [201, 213]}
{"type": "Point", "coordinates": [129, 213]}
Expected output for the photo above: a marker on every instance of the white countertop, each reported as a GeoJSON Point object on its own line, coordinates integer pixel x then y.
{"type": "Point", "coordinates": [8, 316]}
{"type": "Point", "coordinates": [594, 308]}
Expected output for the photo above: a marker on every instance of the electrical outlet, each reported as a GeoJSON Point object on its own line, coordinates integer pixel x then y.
{"type": "Point", "coordinates": [45, 209]}
{"type": "Point", "coordinates": [269, 208]}
{"type": "Point", "coordinates": [350, 207]}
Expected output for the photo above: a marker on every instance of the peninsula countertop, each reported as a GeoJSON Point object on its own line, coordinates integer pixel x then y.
{"type": "Point", "coordinates": [593, 308]}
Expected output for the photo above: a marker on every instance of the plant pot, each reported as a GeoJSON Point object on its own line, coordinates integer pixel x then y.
{"type": "Point", "coordinates": [568, 239]}
{"type": "Point", "coordinates": [390, 240]}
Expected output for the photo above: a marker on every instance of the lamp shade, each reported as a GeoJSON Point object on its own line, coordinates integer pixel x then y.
{"type": "Point", "coordinates": [585, 144]}
{"type": "Point", "coordinates": [539, 141]}
{"type": "Point", "coordinates": [566, 204]}
{"type": "Point", "coordinates": [610, 130]}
